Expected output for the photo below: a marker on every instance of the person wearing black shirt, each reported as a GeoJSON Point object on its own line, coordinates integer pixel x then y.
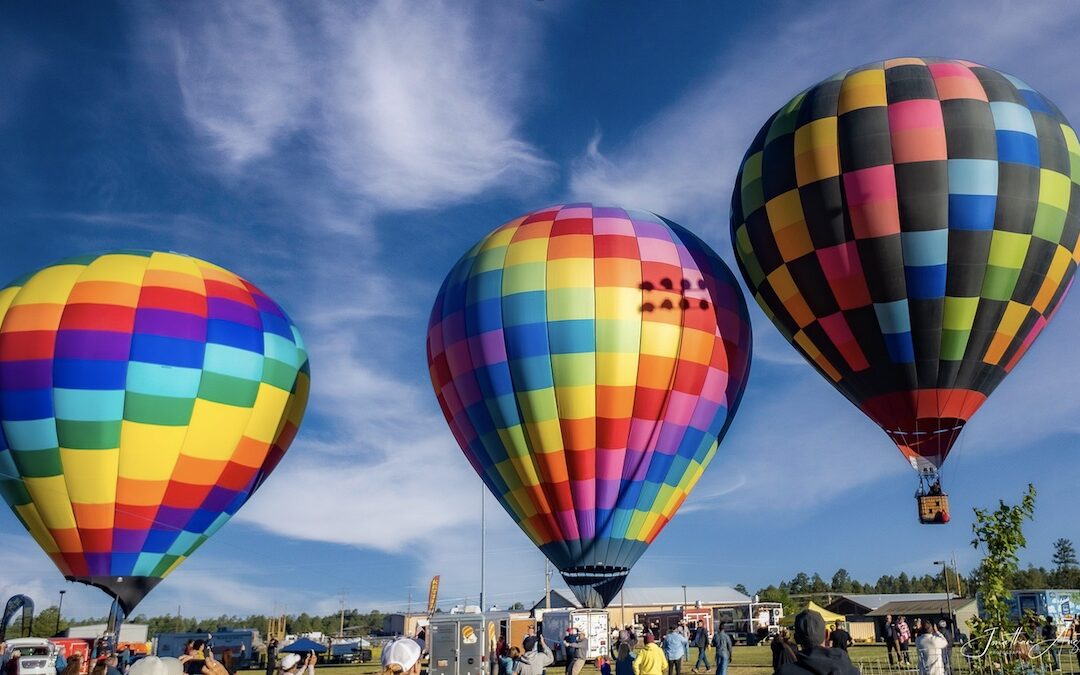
{"type": "Point", "coordinates": [892, 640]}
{"type": "Point", "coordinates": [840, 638]}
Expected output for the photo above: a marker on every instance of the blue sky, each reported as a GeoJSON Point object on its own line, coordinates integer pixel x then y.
{"type": "Point", "coordinates": [343, 155]}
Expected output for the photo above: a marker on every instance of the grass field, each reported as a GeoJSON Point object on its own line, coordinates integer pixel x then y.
{"type": "Point", "coordinates": [745, 661]}
{"type": "Point", "coordinates": [871, 660]}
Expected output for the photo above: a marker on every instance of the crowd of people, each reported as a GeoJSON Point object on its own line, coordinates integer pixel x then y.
{"type": "Point", "coordinates": [814, 649]}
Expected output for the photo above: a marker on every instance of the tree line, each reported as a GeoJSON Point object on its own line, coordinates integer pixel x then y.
{"type": "Point", "coordinates": [356, 623]}
{"type": "Point", "coordinates": [803, 587]}
{"type": "Point", "coordinates": [793, 593]}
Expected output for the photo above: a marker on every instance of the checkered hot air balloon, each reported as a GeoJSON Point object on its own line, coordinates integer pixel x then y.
{"type": "Point", "coordinates": [589, 361]}
{"type": "Point", "coordinates": [144, 397]}
{"type": "Point", "coordinates": [910, 226]}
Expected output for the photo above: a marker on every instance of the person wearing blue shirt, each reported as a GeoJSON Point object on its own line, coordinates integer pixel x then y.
{"type": "Point", "coordinates": [675, 648]}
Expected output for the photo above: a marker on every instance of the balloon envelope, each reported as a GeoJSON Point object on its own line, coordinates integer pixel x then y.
{"type": "Point", "coordinates": [588, 361]}
{"type": "Point", "coordinates": [910, 226]}
{"type": "Point", "coordinates": [143, 397]}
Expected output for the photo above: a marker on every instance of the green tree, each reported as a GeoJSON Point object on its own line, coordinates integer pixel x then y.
{"type": "Point", "coordinates": [800, 584]}
{"type": "Point", "coordinates": [45, 622]}
{"type": "Point", "coordinates": [999, 535]}
{"type": "Point", "coordinates": [774, 594]}
{"type": "Point", "coordinates": [742, 589]}
{"type": "Point", "coordinates": [1064, 555]}
{"type": "Point", "coordinates": [1032, 577]}
{"type": "Point", "coordinates": [841, 581]}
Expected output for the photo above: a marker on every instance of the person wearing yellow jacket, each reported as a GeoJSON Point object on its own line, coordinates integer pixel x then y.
{"type": "Point", "coordinates": [651, 659]}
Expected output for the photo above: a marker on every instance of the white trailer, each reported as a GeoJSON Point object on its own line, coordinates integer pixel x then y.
{"type": "Point", "coordinates": [591, 623]}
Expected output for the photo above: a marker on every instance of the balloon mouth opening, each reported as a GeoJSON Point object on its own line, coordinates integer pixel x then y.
{"type": "Point", "coordinates": [128, 591]}
{"type": "Point", "coordinates": [928, 445]}
{"type": "Point", "coordinates": [595, 586]}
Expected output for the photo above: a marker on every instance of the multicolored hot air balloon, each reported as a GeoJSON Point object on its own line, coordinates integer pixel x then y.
{"type": "Point", "coordinates": [143, 398]}
{"type": "Point", "coordinates": [588, 361]}
{"type": "Point", "coordinates": [910, 226]}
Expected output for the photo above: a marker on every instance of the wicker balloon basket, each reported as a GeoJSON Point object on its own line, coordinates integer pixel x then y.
{"type": "Point", "coordinates": [933, 509]}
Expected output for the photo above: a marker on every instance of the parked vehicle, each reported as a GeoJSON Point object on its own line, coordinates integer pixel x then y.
{"type": "Point", "coordinates": [70, 646]}
{"type": "Point", "coordinates": [1062, 604]}
{"type": "Point", "coordinates": [37, 656]}
{"type": "Point", "coordinates": [751, 623]}
{"type": "Point", "coordinates": [240, 644]}
{"type": "Point", "coordinates": [660, 621]}
{"type": "Point", "coordinates": [592, 623]}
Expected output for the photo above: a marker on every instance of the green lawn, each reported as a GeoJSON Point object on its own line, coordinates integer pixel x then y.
{"type": "Point", "coordinates": [745, 661]}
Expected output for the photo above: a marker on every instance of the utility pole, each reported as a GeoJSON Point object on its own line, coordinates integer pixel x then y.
{"type": "Point", "coordinates": [547, 584]}
{"type": "Point", "coordinates": [483, 541]}
{"type": "Point", "coordinates": [948, 594]}
{"type": "Point", "coordinates": [341, 627]}
{"type": "Point", "coordinates": [58, 608]}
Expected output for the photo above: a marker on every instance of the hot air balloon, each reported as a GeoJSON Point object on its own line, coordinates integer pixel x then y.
{"type": "Point", "coordinates": [910, 226]}
{"type": "Point", "coordinates": [588, 361]}
{"type": "Point", "coordinates": [144, 397]}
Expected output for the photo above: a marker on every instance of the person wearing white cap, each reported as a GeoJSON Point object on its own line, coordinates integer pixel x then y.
{"type": "Point", "coordinates": [153, 665]}
{"type": "Point", "coordinates": [290, 664]}
{"type": "Point", "coordinates": [401, 657]}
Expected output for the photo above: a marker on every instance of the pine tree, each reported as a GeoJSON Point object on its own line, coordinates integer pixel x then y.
{"type": "Point", "coordinates": [1064, 555]}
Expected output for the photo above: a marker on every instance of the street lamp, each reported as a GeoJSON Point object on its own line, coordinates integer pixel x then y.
{"type": "Point", "coordinates": [58, 608]}
{"type": "Point", "coordinates": [948, 593]}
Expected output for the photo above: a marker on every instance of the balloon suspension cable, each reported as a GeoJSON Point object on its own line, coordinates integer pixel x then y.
{"type": "Point", "coordinates": [929, 482]}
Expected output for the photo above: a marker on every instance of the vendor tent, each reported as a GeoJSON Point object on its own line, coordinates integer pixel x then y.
{"type": "Point", "coordinates": [830, 617]}
{"type": "Point", "coordinates": [303, 646]}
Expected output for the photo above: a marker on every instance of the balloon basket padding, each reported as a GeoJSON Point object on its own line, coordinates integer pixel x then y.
{"type": "Point", "coordinates": [933, 509]}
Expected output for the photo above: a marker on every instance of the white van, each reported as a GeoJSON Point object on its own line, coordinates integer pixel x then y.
{"type": "Point", "coordinates": [37, 656]}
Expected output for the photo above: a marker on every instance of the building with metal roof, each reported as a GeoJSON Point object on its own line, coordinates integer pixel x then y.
{"type": "Point", "coordinates": [631, 601]}
{"type": "Point", "coordinates": [859, 604]}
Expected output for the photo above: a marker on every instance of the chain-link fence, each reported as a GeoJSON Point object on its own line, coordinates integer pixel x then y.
{"type": "Point", "coordinates": [1042, 662]}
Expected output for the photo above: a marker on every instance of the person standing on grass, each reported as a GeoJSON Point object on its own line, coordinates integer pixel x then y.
{"type": "Point", "coordinates": [535, 658]}
{"type": "Point", "coordinates": [1049, 635]}
{"type": "Point", "coordinates": [931, 647]}
{"type": "Point", "coordinates": [903, 635]}
{"type": "Point", "coordinates": [723, 644]}
{"type": "Point", "coordinates": [812, 658]}
{"type": "Point", "coordinates": [892, 640]}
{"type": "Point", "coordinates": [840, 638]}
{"type": "Point", "coordinates": [701, 641]}
{"type": "Point", "coordinates": [624, 660]}
{"type": "Point", "coordinates": [650, 660]}
{"type": "Point", "coordinates": [675, 647]}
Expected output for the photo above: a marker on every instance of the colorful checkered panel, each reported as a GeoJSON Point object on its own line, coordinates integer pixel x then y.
{"type": "Point", "coordinates": [910, 226]}
{"type": "Point", "coordinates": [143, 398]}
{"type": "Point", "coordinates": [589, 360]}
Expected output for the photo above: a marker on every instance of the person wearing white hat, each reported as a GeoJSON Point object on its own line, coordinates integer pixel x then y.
{"type": "Point", "coordinates": [291, 664]}
{"type": "Point", "coordinates": [153, 665]}
{"type": "Point", "coordinates": [401, 657]}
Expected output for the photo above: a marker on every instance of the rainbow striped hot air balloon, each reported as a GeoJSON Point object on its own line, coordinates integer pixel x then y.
{"type": "Point", "coordinates": [143, 398]}
{"type": "Point", "coordinates": [589, 361]}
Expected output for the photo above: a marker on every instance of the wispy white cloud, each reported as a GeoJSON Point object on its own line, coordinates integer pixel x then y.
{"type": "Point", "coordinates": [242, 77]}
{"type": "Point", "coordinates": [408, 105]}
{"type": "Point", "coordinates": [682, 162]}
